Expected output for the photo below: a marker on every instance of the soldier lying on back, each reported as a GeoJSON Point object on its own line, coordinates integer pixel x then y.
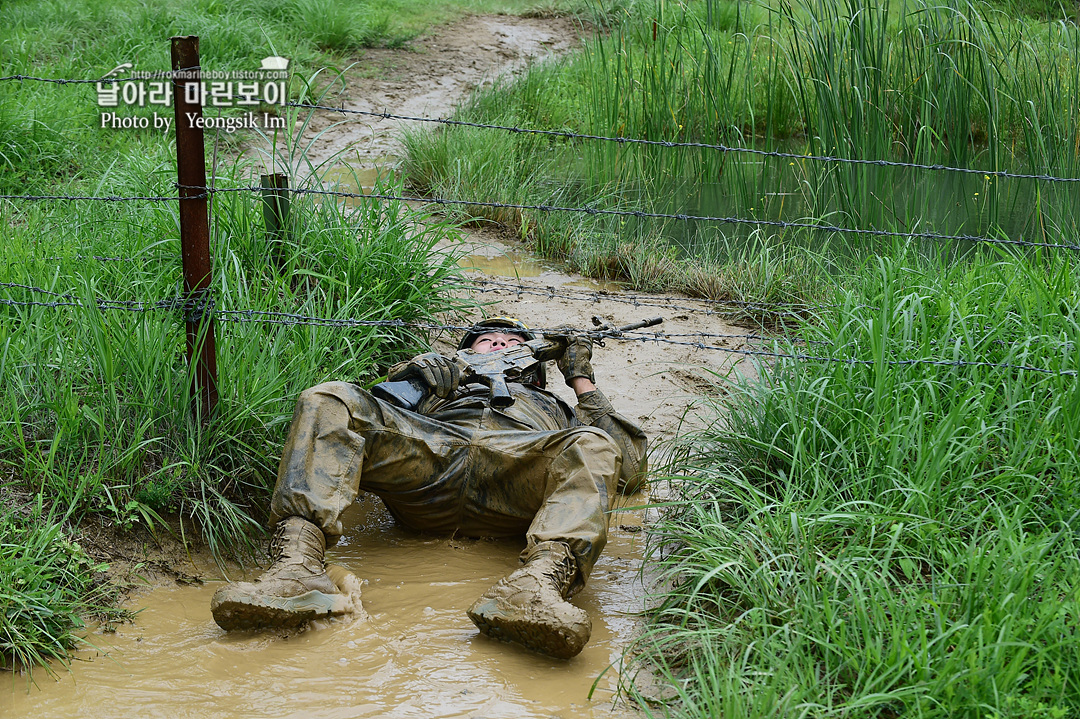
{"type": "Point", "coordinates": [461, 464]}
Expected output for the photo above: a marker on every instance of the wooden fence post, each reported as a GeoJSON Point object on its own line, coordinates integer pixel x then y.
{"type": "Point", "coordinates": [194, 222]}
{"type": "Point", "coordinates": [275, 197]}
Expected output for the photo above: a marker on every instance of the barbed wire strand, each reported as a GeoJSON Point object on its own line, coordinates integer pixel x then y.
{"type": "Point", "coordinates": [195, 307]}
{"type": "Point", "coordinates": [640, 214]}
{"type": "Point", "coordinates": [566, 134]}
{"type": "Point", "coordinates": [97, 258]}
{"type": "Point", "coordinates": [591, 297]}
{"type": "Point", "coordinates": [781, 224]}
{"type": "Point", "coordinates": [287, 318]}
{"type": "Point", "coordinates": [569, 135]}
{"type": "Point", "coordinates": [105, 198]}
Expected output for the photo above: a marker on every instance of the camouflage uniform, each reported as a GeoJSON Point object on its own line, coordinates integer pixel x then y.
{"type": "Point", "coordinates": [458, 465]}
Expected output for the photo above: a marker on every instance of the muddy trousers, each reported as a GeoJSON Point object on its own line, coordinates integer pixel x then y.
{"type": "Point", "coordinates": [446, 478]}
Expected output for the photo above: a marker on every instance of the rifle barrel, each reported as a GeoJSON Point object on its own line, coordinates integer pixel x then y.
{"type": "Point", "coordinates": [641, 325]}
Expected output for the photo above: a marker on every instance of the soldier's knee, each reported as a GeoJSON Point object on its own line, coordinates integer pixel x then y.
{"type": "Point", "coordinates": [335, 393]}
{"type": "Point", "coordinates": [594, 441]}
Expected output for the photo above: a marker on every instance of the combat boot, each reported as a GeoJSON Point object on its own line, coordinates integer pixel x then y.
{"type": "Point", "coordinates": [293, 590]}
{"type": "Point", "coordinates": [529, 606]}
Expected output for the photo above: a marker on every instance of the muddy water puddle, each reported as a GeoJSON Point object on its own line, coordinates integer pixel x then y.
{"type": "Point", "coordinates": [351, 179]}
{"type": "Point", "coordinates": [415, 654]}
{"type": "Point", "coordinates": [507, 264]}
{"type": "Point", "coordinates": [500, 262]}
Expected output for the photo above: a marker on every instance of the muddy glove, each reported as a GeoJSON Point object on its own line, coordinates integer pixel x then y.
{"type": "Point", "coordinates": [575, 360]}
{"type": "Point", "coordinates": [439, 373]}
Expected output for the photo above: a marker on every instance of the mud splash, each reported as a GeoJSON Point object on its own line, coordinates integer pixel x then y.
{"type": "Point", "coordinates": [415, 654]}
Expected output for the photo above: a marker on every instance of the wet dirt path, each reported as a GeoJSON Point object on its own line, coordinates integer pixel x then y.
{"type": "Point", "coordinates": [428, 80]}
{"type": "Point", "coordinates": [415, 653]}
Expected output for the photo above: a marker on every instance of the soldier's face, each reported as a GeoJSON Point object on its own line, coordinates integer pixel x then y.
{"type": "Point", "coordinates": [495, 341]}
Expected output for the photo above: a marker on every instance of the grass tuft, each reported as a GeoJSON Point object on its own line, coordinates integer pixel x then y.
{"type": "Point", "coordinates": [48, 583]}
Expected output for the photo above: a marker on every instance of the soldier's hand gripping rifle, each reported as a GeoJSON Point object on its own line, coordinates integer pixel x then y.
{"type": "Point", "coordinates": [495, 369]}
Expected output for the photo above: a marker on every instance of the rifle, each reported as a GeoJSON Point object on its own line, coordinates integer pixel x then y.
{"type": "Point", "coordinates": [495, 369]}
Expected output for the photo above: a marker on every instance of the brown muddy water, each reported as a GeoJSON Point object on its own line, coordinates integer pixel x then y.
{"type": "Point", "coordinates": [415, 654]}
{"type": "Point", "coordinates": [509, 264]}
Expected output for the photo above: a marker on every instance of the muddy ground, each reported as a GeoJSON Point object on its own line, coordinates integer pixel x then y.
{"type": "Point", "coordinates": [414, 653]}
{"type": "Point", "coordinates": [665, 386]}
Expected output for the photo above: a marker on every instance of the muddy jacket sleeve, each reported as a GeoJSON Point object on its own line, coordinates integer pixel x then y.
{"type": "Point", "coordinates": [595, 410]}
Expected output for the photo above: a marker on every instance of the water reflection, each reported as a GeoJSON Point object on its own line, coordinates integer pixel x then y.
{"type": "Point", "coordinates": [856, 196]}
{"type": "Point", "coordinates": [506, 264]}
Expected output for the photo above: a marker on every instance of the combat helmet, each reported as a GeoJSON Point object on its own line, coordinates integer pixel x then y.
{"type": "Point", "coordinates": [511, 325]}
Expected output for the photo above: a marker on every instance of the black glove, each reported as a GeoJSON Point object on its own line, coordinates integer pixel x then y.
{"type": "Point", "coordinates": [575, 360]}
{"type": "Point", "coordinates": [439, 373]}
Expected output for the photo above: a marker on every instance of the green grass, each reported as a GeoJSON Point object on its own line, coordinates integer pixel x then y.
{"type": "Point", "coordinates": [96, 410]}
{"type": "Point", "coordinates": [856, 538]}
{"type": "Point", "coordinates": [869, 539]}
{"type": "Point", "coordinates": [47, 585]}
{"type": "Point", "coordinates": [955, 83]}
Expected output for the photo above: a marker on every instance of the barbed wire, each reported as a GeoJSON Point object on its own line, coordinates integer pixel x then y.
{"type": "Point", "coordinates": [742, 337]}
{"type": "Point", "coordinates": [105, 198]}
{"type": "Point", "coordinates": [289, 318]}
{"type": "Point", "coordinates": [197, 302]}
{"type": "Point", "coordinates": [163, 74]}
{"type": "Point", "coordinates": [97, 258]}
{"type": "Point", "coordinates": [32, 288]}
{"type": "Point", "coordinates": [126, 306]}
{"type": "Point", "coordinates": [285, 318]}
{"type": "Point", "coordinates": [656, 337]}
{"type": "Point", "coordinates": [566, 134]}
{"type": "Point", "coordinates": [276, 317]}
{"type": "Point", "coordinates": [640, 214]}
{"type": "Point", "coordinates": [618, 139]}
{"type": "Point", "coordinates": [195, 307]}
{"type": "Point", "coordinates": [868, 363]}
{"type": "Point", "coordinates": [780, 224]}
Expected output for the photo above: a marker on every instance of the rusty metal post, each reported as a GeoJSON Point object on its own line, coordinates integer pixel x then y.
{"type": "Point", "coordinates": [275, 197]}
{"type": "Point", "coordinates": [194, 222]}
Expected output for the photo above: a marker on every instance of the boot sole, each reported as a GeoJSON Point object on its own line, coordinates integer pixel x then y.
{"type": "Point", "coordinates": [238, 610]}
{"type": "Point", "coordinates": [558, 642]}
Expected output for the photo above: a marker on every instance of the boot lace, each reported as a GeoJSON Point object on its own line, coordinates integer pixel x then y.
{"type": "Point", "coordinates": [277, 542]}
{"type": "Point", "coordinates": [564, 574]}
